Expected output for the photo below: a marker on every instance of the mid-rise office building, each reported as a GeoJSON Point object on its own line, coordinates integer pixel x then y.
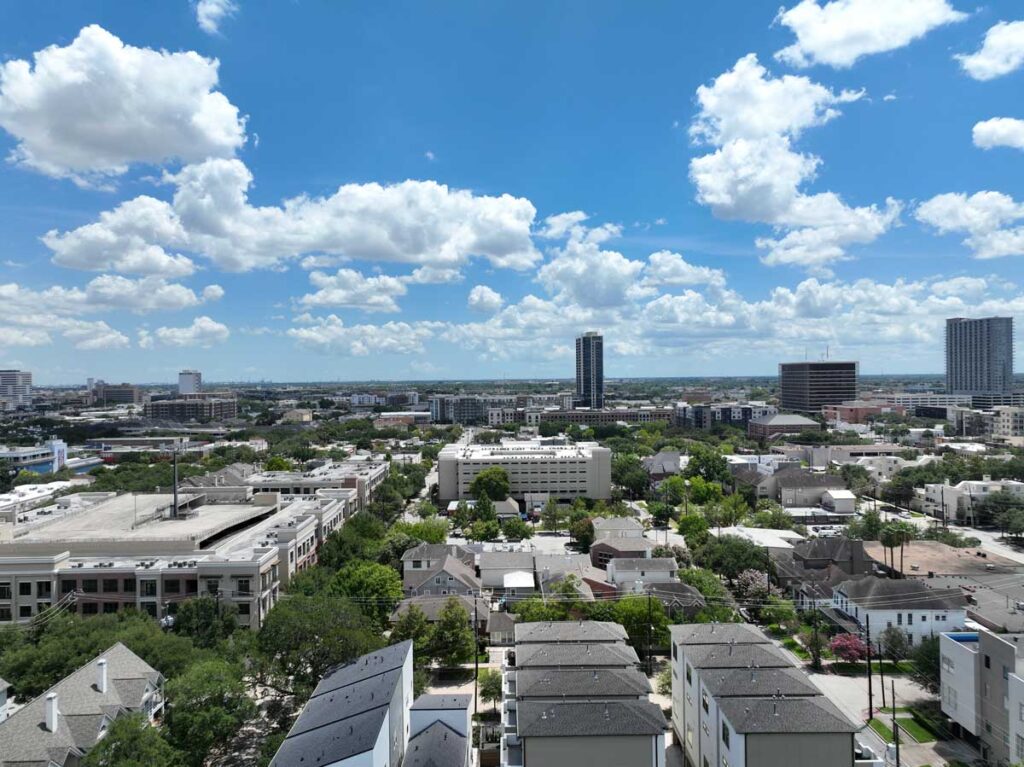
{"type": "Point", "coordinates": [193, 408]}
{"type": "Point", "coordinates": [807, 387]}
{"type": "Point", "coordinates": [554, 467]}
{"type": "Point", "coordinates": [467, 409]}
{"type": "Point", "coordinates": [590, 370]}
{"type": "Point", "coordinates": [116, 394]}
{"type": "Point", "coordinates": [15, 389]}
{"type": "Point", "coordinates": [190, 382]}
{"type": "Point", "coordinates": [979, 355]}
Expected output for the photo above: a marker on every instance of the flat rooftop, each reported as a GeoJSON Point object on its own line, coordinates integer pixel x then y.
{"type": "Point", "coordinates": [138, 518]}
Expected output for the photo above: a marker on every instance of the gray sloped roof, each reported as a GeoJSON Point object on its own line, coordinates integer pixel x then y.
{"type": "Point", "coordinates": [664, 462]}
{"type": "Point", "coordinates": [575, 656]}
{"type": "Point", "coordinates": [737, 656]}
{"type": "Point", "coordinates": [364, 667]}
{"type": "Point", "coordinates": [629, 524]}
{"type": "Point", "coordinates": [786, 419]}
{"type": "Point", "coordinates": [432, 605]}
{"type": "Point", "coordinates": [329, 744]}
{"type": "Point", "coordinates": [652, 564]}
{"type": "Point", "coordinates": [569, 631]}
{"type": "Point", "coordinates": [434, 702]}
{"type": "Point", "coordinates": [875, 593]}
{"type": "Point", "coordinates": [796, 478]}
{"type": "Point", "coordinates": [438, 551]}
{"type": "Point", "coordinates": [506, 560]}
{"type": "Point", "coordinates": [624, 544]}
{"type": "Point", "coordinates": [591, 719]}
{"type": "Point", "coordinates": [436, 746]}
{"type": "Point", "coordinates": [24, 739]}
{"type": "Point", "coordinates": [785, 715]}
{"type": "Point", "coordinates": [450, 565]}
{"type": "Point", "coordinates": [758, 682]}
{"type": "Point", "coordinates": [580, 683]}
{"type": "Point", "coordinates": [717, 633]}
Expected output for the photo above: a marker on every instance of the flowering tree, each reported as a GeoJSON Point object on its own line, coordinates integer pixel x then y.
{"type": "Point", "coordinates": [848, 647]}
{"type": "Point", "coordinates": [752, 585]}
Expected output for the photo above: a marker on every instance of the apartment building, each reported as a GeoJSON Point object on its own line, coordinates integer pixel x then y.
{"type": "Point", "coordinates": [193, 408]}
{"type": "Point", "coordinates": [590, 370]}
{"type": "Point", "coordinates": [982, 691]}
{"type": "Point", "coordinates": [979, 355]}
{"type": "Point", "coordinates": [467, 409]}
{"type": "Point", "coordinates": [859, 411]}
{"type": "Point", "coordinates": [961, 500]}
{"type": "Point", "coordinates": [711, 414]}
{"type": "Point", "coordinates": [573, 695]}
{"type": "Point", "coordinates": [59, 727]}
{"type": "Point", "coordinates": [144, 552]}
{"type": "Point", "coordinates": [15, 389]}
{"type": "Point", "coordinates": [561, 469]}
{"type": "Point", "coordinates": [363, 477]}
{"type": "Point", "coordinates": [104, 393]}
{"type": "Point", "coordinates": [738, 700]}
{"type": "Point", "coordinates": [609, 415]}
{"type": "Point", "coordinates": [906, 603]}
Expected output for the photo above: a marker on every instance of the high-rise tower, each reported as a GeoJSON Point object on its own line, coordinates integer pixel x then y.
{"type": "Point", "coordinates": [590, 370]}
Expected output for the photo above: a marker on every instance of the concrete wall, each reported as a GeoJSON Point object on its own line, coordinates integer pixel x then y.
{"type": "Point", "coordinates": [958, 664]}
{"type": "Point", "coordinates": [785, 750]}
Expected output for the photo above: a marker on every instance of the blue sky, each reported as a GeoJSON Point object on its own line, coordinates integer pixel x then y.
{"type": "Point", "coordinates": [339, 191]}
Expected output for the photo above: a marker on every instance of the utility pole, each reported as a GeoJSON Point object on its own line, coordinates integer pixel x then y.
{"type": "Point", "coordinates": [895, 729]}
{"type": "Point", "coordinates": [768, 569]}
{"type": "Point", "coordinates": [881, 674]}
{"type": "Point", "coordinates": [650, 627]}
{"type": "Point", "coordinates": [871, 704]}
{"type": "Point", "coordinates": [476, 669]}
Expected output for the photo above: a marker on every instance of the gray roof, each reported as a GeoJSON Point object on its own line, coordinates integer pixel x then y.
{"type": "Point", "coordinates": [717, 633]}
{"type": "Point", "coordinates": [24, 740]}
{"type": "Point", "coordinates": [575, 656]}
{"type": "Point", "coordinates": [602, 524]}
{"type": "Point", "coordinates": [654, 564]}
{"type": "Point", "coordinates": [506, 560]}
{"type": "Point", "coordinates": [591, 719]}
{"type": "Point", "coordinates": [436, 746]}
{"type": "Point", "coordinates": [873, 593]}
{"type": "Point", "coordinates": [459, 570]}
{"type": "Point", "coordinates": [796, 477]}
{"type": "Point", "coordinates": [782, 715]}
{"type": "Point", "coordinates": [347, 710]}
{"type": "Point", "coordinates": [581, 683]}
{"type": "Point", "coordinates": [758, 682]}
{"type": "Point", "coordinates": [676, 593]}
{"type": "Point", "coordinates": [737, 656]}
{"type": "Point", "coordinates": [438, 551]}
{"type": "Point", "coordinates": [437, 702]}
{"type": "Point", "coordinates": [786, 419]}
{"type": "Point", "coordinates": [553, 632]}
{"type": "Point", "coordinates": [433, 604]}
{"type": "Point", "coordinates": [501, 621]}
{"type": "Point", "coordinates": [625, 544]}
{"type": "Point", "coordinates": [664, 462]}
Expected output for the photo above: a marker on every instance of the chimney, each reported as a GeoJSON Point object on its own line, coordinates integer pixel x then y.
{"type": "Point", "coordinates": [101, 675]}
{"type": "Point", "coordinates": [51, 712]}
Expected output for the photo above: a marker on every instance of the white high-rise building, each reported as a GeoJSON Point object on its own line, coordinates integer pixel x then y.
{"type": "Point", "coordinates": [15, 389]}
{"type": "Point", "coordinates": [190, 382]}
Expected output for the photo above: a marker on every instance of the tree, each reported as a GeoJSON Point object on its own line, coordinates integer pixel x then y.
{"type": "Point", "coordinates": [629, 473]}
{"type": "Point", "coordinates": [302, 637]}
{"type": "Point", "coordinates": [483, 509]}
{"type": "Point", "coordinates": [673, 490]}
{"type": "Point", "coordinates": [361, 537]}
{"type": "Point", "coordinates": [534, 609]}
{"type": "Point", "coordinates": [582, 531]}
{"type": "Point", "coordinates": [660, 512]}
{"type": "Point", "coordinates": [680, 553]}
{"type": "Point", "coordinates": [780, 612]}
{"type": "Point", "coordinates": [1010, 521]}
{"type": "Point", "coordinates": [708, 464]}
{"type": "Point", "coordinates": [462, 517]}
{"type": "Point", "coordinates": [412, 624]}
{"type": "Point", "coordinates": [663, 686]}
{"type": "Point", "coordinates": [206, 706]}
{"type": "Point", "coordinates": [376, 588]}
{"type": "Point", "coordinates": [132, 742]}
{"type": "Point", "coordinates": [729, 555]}
{"type": "Point", "coordinates": [492, 482]}
{"type": "Point", "coordinates": [927, 660]}
{"type": "Point", "coordinates": [867, 528]}
{"type": "Point", "coordinates": [995, 505]}
{"type": "Point", "coordinates": [490, 684]}
{"type": "Point", "coordinates": [771, 515]}
{"type": "Point", "coordinates": [856, 477]}
{"type": "Point", "coordinates": [848, 647]}
{"type": "Point", "coordinates": [277, 463]}
{"type": "Point", "coordinates": [734, 510]}
{"type": "Point", "coordinates": [644, 619]}
{"type": "Point", "coordinates": [426, 510]}
{"type": "Point", "coordinates": [549, 517]}
{"type": "Point", "coordinates": [515, 529]}
{"type": "Point", "coordinates": [483, 531]}
{"type": "Point", "coordinates": [814, 638]}
{"type": "Point", "coordinates": [703, 492]}
{"type": "Point", "coordinates": [694, 529]}
{"type": "Point", "coordinates": [895, 643]}
{"type": "Point", "coordinates": [453, 642]}
{"type": "Point", "coordinates": [752, 585]}
{"type": "Point", "coordinates": [206, 621]}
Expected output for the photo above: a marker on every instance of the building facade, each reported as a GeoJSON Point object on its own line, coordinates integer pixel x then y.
{"type": "Point", "coordinates": [192, 409]}
{"type": "Point", "coordinates": [190, 382]}
{"type": "Point", "coordinates": [979, 355]}
{"type": "Point", "coordinates": [15, 389]}
{"type": "Point", "coordinates": [807, 387]}
{"type": "Point", "coordinates": [590, 370]}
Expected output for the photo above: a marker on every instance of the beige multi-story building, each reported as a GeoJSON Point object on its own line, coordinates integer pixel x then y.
{"type": "Point", "coordinates": [145, 552]}
{"type": "Point", "coordinates": [361, 476]}
{"type": "Point", "coordinates": [564, 470]}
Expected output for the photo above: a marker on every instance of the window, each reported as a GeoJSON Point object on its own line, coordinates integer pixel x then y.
{"type": "Point", "coordinates": [243, 609]}
{"type": "Point", "coordinates": [109, 607]}
{"type": "Point", "coordinates": [988, 662]}
{"type": "Point", "coordinates": [1020, 714]}
{"type": "Point", "coordinates": [172, 586]}
{"type": "Point", "coordinates": [242, 587]}
{"type": "Point", "coordinates": [25, 611]}
{"type": "Point", "coordinates": [5, 590]}
{"type": "Point", "coordinates": [67, 586]}
{"type": "Point", "coordinates": [90, 608]}
{"type": "Point", "coordinates": [689, 674]}
{"type": "Point", "coordinates": [148, 588]}
{"type": "Point", "coordinates": [25, 589]}
{"type": "Point", "coordinates": [213, 587]}
{"type": "Point", "coordinates": [725, 734]}
{"type": "Point", "coordinates": [675, 652]}
{"type": "Point", "coordinates": [90, 586]}
{"type": "Point", "coordinates": [44, 589]}
{"type": "Point", "coordinates": [1018, 750]}
{"type": "Point", "coordinates": [899, 619]}
{"type": "Point", "coordinates": [910, 619]}
{"type": "Point", "coordinates": [948, 665]}
{"type": "Point", "coordinates": [150, 607]}
{"type": "Point", "coordinates": [704, 702]}
{"type": "Point", "coordinates": [5, 614]}
{"type": "Point", "coordinates": [109, 585]}
{"type": "Point", "coordinates": [128, 585]}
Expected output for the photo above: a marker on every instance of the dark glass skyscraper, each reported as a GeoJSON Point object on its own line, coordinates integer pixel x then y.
{"type": "Point", "coordinates": [979, 355]}
{"type": "Point", "coordinates": [807, 386]}
{"type": "Point", "coordinates": [590, 370]}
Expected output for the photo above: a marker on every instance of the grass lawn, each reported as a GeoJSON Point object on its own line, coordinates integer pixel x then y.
{"type": "Point", "coordinates": [796, 648]}
{"type": "Point", "coordinates": [915, 730]}
{"type": "Point", "coordinates": [882, 730]}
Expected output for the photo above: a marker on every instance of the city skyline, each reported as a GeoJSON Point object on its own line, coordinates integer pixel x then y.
{"type": "Point", "coordinates": [715, 190]}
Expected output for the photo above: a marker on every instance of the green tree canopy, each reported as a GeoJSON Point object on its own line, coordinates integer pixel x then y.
{"type": "Point", "coordinates": [132, 742]}
{"type": "Point", "coordinates": [453, 642]}
{"type": "Point", "coordinates": [493, 482]}
{"type": "Point", "coordinates": [483, 531]}
{"type": "Point", "coordinates": [277, 463]}
{"type": "Point", "coordinates": [207, 706]}
{"type": "Point", "coordinates": [490, 683]}
{"type": "Point", "coordinates": [515, 529]}
{"type": "Point", "coordinates": [483, 509]}
{"type": "Point", "coordinates": [708, 464]}
{"type": "Point", "coordinates": [206, 621]}
{"type": "Point", "coordinates": [629, 473]}
{"type": "Point", "coordinates": [730, 555]}
{"type": "Point", "coordinates": [376, 588]}
{"type": "Point", "coordinates": [673, 489]}
{"type": "Point", "coordinates": [412, 624]}
{"type": "Point", "coordinates": [549, 517]}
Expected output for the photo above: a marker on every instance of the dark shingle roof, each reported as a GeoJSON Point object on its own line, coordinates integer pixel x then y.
{"type": "Point", "coordinates": [369, 665]}
{"type": "Point", "coordinates": [717, 633]}
{"type": "Point", "coordinates": [592, 719]}
{"type": "Point", "coordinates": [579, 683]}
{"type": "Point", "coordinates": [329, 744]}
{"type": "Point", "coordinates": [432, 605]}
{"type": "Point", "coordinates": [737, 656]}
{"type": "Point", "coordinates": [652, 564]}
{"type": "Point", "coordinates": [436, 702]}
{"type": "Point", "coordinates": [436, 746]}
{"type": "Point", "coordinates": [758, 682]}
{"type": "Point", "coordinates": [795, 477]}
{"type": "Point", "coordinates": [575, 656]}
{"type": "Point", "coordinates": [551, 632]}
{"type": "Point", "coordinates": [625, 544]}
{"type": "Point", "coordinates": [506, 560]}
{"type": "Point", "coordinates": [665, 462]}
{"type": "Point", "coordinates": [907, 593]}
{"type": "Point", "coordinates": [760, 715]}
{"type": "Point", "coordinates": [439, 551]}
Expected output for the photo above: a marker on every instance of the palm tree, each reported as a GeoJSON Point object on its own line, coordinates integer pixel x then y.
{"type": "Point", "coordinates": [890, 538]}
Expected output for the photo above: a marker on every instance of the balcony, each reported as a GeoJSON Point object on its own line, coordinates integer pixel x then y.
{"type": "Point", "coordinates": [511, 753]}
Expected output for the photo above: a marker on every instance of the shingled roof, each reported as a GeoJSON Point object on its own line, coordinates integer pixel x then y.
{"type": "Point", "coordinates": [590, 719]}
{"type": "Point", "coordinates": [784, 715]}
{"type": "Point", "coordinates": [907, 593]}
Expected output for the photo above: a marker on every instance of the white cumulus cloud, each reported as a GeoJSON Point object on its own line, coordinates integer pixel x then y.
{"type": "Point", "coordinates": [1001, 52]}
{"type": "Point", "coordinates": [991, 221]}
{"type": "Point", "coordinates": [331, 334]}
{"type": "Point", "coordinates": [89, 110]}
{"type": "Point", "coordinates": [839, 32]}
{"type": "Point", "coordinates": [999, 131]}
{"type": "Point", "coordinates": [210, 13]}
{"type": "Point", "coordinates": [668, 268]}
{"type": "Point", "coordinates": [354, 290]}
{"type": "Point", "coordinates": [484, 299]}
{"type": "Point", "coordinates": [203, 331]}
